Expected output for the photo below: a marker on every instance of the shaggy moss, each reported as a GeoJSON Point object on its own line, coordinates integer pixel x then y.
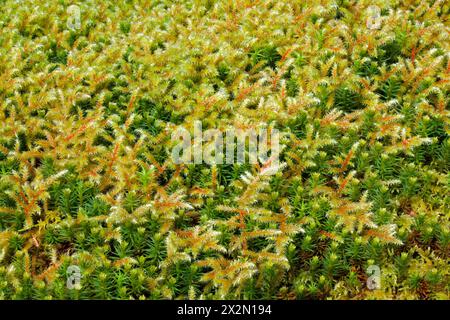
{"type": "Point", "coordinates": [87, 181]}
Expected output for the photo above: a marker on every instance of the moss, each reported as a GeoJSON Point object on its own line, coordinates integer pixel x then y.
{"type": "Point", "coordinates": [268, 55]}
{"type": "Point", "coordinates": [347, 100]}
{"type": "Point", "coordinates": [87, 177]}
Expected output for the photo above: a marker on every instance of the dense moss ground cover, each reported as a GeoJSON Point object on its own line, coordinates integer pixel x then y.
{"type": "Point", "coordinates": [86, 178]}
